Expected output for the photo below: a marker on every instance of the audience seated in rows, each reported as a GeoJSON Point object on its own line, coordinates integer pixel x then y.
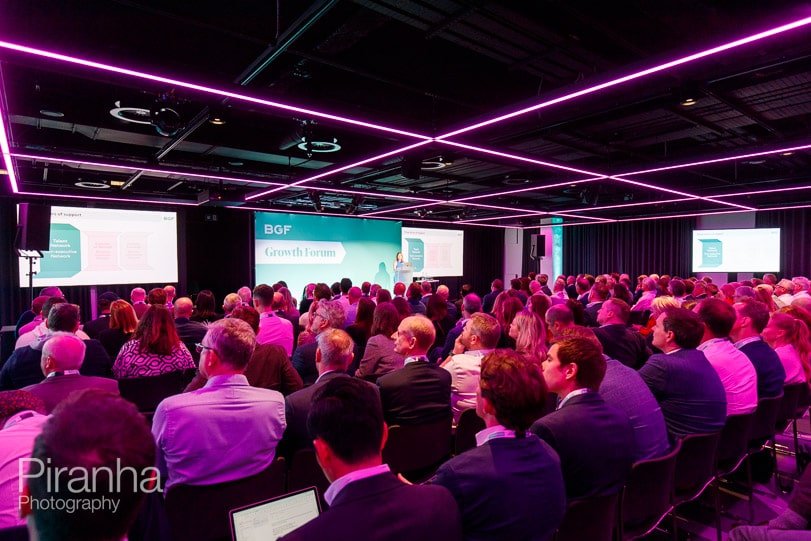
{"type": "Point", "coordinates": [123, 323]}
{"type": "Point", "coordinates": [379, 356]}
{"type": "Point", "coordinates": [36, 334]}
{"type": "Point", "coordinates": [326, 315]}
{"type": "Point", "coordinates": [272, 328]}
{"type": "Point", "coordinates": [228, 429]}
{"type": "Point", "coordinates": [23, 368]}
{"type": "Point", "coordinates": [751, 317]}
{"type": "Point", "coordinates": [618, 341]}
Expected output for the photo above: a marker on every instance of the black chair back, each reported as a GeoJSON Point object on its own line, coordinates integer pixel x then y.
{"type": "Point", "coordinates": [734, 442]}
{"type": "Point", "coordinates": [792, 394]}
{"type": "Point", "coordinates": [589, 518]}
{"type": "Point", "coordinates": [15, 533]}
{"type": "Point", "coordinates": [304, 472]}
{"type": "Point", "coordinates": [765, 420]}
{"type": "Point", "coordinates": [469, 424]}
{"type": "Point", "coordinates": [646, 498]}
{"type": "Point", "coordinates": [695, 466]}
{"type": "Point", "coordinates": [415, 451]}
{"type": "Point", "coordinates": [201, 512]}
{"type": "Point", "coordinates": [147, 393]}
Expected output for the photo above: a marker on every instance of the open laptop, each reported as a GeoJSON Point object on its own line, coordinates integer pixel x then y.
{"type": "Point", "coordinates": [270, 519]}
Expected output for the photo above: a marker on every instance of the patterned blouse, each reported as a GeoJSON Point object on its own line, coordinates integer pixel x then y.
{"type": "Point", "coordinates": [131, 363]}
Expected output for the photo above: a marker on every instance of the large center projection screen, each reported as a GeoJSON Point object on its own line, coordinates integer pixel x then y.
{"type": "Point", "coordinates": [300, 249]}
{"type": "Point", "coordinates": [92, 246]}
{"type": "Point", "coordinates": [736, 250]}
{"type": "Point", "coordinates": [434, 252]}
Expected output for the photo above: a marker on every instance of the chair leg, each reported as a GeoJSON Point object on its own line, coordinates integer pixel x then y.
{"type": "Point", "coordinates": [796, 447]}
{"type": "Point", "coordinates": [717, 484]}
{"type": "Point", "coordinates": [751, 489]}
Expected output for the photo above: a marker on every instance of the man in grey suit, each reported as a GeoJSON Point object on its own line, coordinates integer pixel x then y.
{"type": "Point", "coordinates": [333, 355]}
{"type": "Point", "coordinates": [62, 357]}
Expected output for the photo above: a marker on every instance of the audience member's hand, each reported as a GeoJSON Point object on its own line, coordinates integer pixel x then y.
{"type": "Point", "coordinates": [458, 348]}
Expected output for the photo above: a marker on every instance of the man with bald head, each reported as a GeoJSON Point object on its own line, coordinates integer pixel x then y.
{"type": "Point", "coordinates": [138, 298]}
{"type": "Point", "coordinates": [419, 392]}
{"type": "Point", "coordinates": [62, 357]}
{"type": "Point", "coordinates": [190, 332]}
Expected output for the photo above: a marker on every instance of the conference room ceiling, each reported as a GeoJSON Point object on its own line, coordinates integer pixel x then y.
{"type": "Point", "coordinates": [450, 111]}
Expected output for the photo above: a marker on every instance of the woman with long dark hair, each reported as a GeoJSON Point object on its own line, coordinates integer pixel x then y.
{"type": "Point", "coordinates": [155, 348]}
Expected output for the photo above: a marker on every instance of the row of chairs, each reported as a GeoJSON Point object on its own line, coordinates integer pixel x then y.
{"type": "Point", "coordinates": [656, 488]}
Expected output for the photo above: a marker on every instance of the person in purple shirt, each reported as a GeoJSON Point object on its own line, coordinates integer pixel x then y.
{"type": "Point", "coordinates": [272, 328]}
{"type": "Point", "coordinates": [227, 430]}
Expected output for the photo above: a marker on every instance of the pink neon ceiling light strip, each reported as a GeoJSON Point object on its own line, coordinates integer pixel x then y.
{"type": "Point", "coordinates": [531, 189]}
{"type": "Point", "coordinates": [636, 75]}
{"type": "Point", "coordinates": [717, 160]}
{"type": "Point", "coordinates": [339, 169]}
{"type": "Point", "coordinates": [759, 192]}
{"type": "Point", "coordinates": [201, 88]}
{"type": "Point", "coordinates": [638, 204]}
{"type": "Point", "coordinates": [5, 150]}
{"type": "Point", "coordinates": [54, 159]}
{"type": "Point", "coordinates": [120, 199]}
{"type": "Point", "coordinates": [598, 176]}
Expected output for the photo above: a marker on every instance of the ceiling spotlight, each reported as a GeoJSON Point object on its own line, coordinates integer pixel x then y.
{"type": "Point", "coordinates": [315, 198]}
{"type": "Point", "coordinates": [167, 121]}
{"type": "Point", "coordinates": [311, 146]}
{"type": "Point", "coordinates": [509, 181]}
{"type": "Point", "coordinates": [787, 153]}
{"type": "Point", "coordinates": [51, 113]}
{"type": "Point", "coordinates": [116, 183]}
{"type": "Point", "coordinates": [216, 120]}
{"type": "Point", "coordinates": [91, 185]}
{"type": "Point", "coordinates": [689, 102]}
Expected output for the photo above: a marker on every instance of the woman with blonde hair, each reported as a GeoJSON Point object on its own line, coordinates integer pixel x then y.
{"type": "Point", "coordinates": [657, 308]}
{"type": "Point", "coordinates": [529, 332]}
{"type": "Point", "coordinates": [764, 293]}
{"type": "Point", "coordinates": [789, 337]}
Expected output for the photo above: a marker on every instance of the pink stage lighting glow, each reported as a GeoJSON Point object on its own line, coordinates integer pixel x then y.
{"type": "Point", "coordinates": [205, 89]}
{"type": "Point", "coordinates": [636, 75]}
{"type": "Point", "coordinates": [339, 169]}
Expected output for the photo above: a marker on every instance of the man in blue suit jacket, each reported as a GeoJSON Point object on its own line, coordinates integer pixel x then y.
{"type": "Point", "coordinates": [751, 318]}
{"type": "Point", "coordinates": [510, 486]}
{"type": "Point", "coordinates": [683, 381]}
{"type": "Point", "coordinates": [595, 441]}
{"type": "Point", "coordinates": [367, 501]}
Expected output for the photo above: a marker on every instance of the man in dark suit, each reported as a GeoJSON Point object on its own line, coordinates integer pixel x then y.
{"type": "Point", "coordinates": [597, 296]}
{"type": "Point", "coordinates": [595, 441]}
{"type": "Point", "coordinates": [23, 367]}
{"type": "Point", "coordinates": [366, 501]}
{"type": "Point", "coordinates": [619, 342]}
{"type": "Point", "coordinates": [333, 354]}
{"type": "Point", "coordinates": [62, 357]}
{"type": "Point", "coordinates": [420, 392]}
{"type": "Point", "coordinates": [328, 315]}
{"type": "Point", "coordinates": [190, 332]}
{"type": "Point", "coordinates": [751, 318]}
{"type": "Point", "coordinates": [681, 378]}
{"type": "Point", "coordinates": [94, 327]}
{"type": "Point", "coordinates": [490, 299]}
{"type": "Point", "coordinates": [502, 483]}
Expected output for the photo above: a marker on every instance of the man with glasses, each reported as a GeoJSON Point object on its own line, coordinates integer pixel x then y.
{"type": "Point", "coordinates": [327, 315]}
{"type": "Point", "coordinates": [227, 430]}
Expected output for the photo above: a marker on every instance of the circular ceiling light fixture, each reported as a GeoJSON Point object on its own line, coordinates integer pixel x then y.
{"type": "Point", "coordinates": [134, 115]}
{"type": "Point", "coordinates": [433, 165]}
{"type": "Point", "coordinates": [216, 120]}
{"type": "Point", "coordinates": [92, 185]}
{"type": "Point", "coordinates": [167, 121]}
{"type": "Point", "coordinates": [51, 113]}
{"type": "Point", "coordinates": [322, 147]}
{"type": "Point", "coordinates": [689, 102]}
{"type": "Point", "coordinates": [515, 181]}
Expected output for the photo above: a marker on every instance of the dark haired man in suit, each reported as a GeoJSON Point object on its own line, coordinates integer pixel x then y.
{"type": "Point", "coordinates": [366, 501]}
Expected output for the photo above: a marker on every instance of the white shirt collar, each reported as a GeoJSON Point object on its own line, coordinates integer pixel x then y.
{"type": "Point", "coordinates": [62, 373]}
{"type": "Point", "coordinates": [711, 342]}
{"type": "Point", "coordinates": [673, 351]}
{"type": "Point", "coordinates": [742, 342]}
{"type": "Point", "coordinates": [339, 484]}
{"type": "Point", "coordinates": [576, 392]}
{"type": "Point", "coordinates": [492, 433]}
{"type": "Point", "coordinates": [324, 374]}
{"type": "Point", "coordinates": [415, 359]}
{"type": "Point", "coordinates": [19, 417]}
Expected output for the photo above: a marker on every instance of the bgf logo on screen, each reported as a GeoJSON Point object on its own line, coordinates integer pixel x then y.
{"type": "Point", "coordinates": [271, 229]}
